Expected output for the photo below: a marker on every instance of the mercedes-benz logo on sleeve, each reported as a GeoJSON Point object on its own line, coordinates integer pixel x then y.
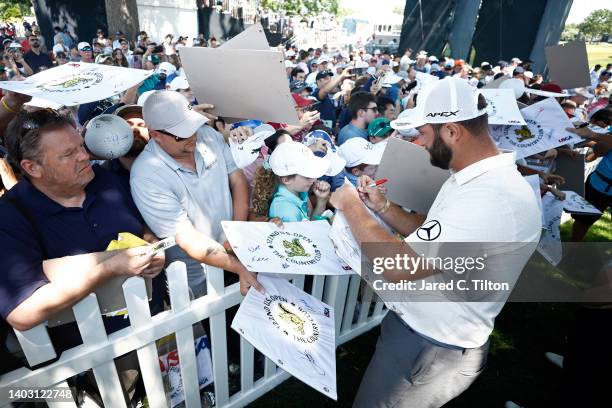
{"type": "Point", "coordinates": [429, 231]}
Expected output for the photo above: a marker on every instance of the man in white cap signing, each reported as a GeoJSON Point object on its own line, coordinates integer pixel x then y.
{"type": "Point", "coordinates": [185, 183]}
{"type": "Point", "coordinates": [431, 351]}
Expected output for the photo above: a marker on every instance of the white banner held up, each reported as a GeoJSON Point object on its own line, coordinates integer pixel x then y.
{"type": "Point", "coordinates": [254, 90]}
{"type": "Point", "coordinates": [300, 247]}
{"type": "Point", "coordinates": [347, 247]}
{"type": "Point", "coordinates": [502, 107]}
{"type": "Point", "coordinates": [545, 129]}
{"type": "Point", "coordinates": [293, 329]}
{"type": "Point", "coordinates": [253, 38]}
{"type": "Point", "coordinates": [76, 83]}
{"type": "Point", "coordinates": [574, 203]}
{"type": "Point", "coordinates": [550, 240]}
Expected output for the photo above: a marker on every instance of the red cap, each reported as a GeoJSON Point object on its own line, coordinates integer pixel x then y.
{"type": "Point", "coordinates": [551, 87]}
{"type": "Point", "coordinates": [301, 101]}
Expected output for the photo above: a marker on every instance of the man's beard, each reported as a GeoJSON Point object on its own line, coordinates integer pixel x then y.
{"type": "Point", "coordinates": [440, 154]}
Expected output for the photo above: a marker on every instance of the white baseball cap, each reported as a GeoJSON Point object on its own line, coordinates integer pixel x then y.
{"type": "Point", "coordinates": [582, 92]}
{"type": "Point", "coordinates": [358, 151]}
{"type": "Point", "coordinates": [449, 100]}
{"type": "Point", "coordinates": [144, 96]}
{"type": "Point", "coordinates": [82, 45]}
{"type": "Point", "coordinates": [170, 111]}
{"type": "Point", "coordinates": [246, 152]}
{"type": "Point", "coordinates": [391, 79]}
{"type": "Point", "coordinates": [294, 158]}
{"type": "Point", "coordinates": [322, 59]}
{"type": "Point", "coordinates": [166, 68]}
{"type": "Point", "coordinates": [289, 64]}
{"type": "Point", "coordinates": [180, 82]}
{"type": "Point", "coordinates": [290, 53]}
{"type": "Point", "coordinates": [336, 163]}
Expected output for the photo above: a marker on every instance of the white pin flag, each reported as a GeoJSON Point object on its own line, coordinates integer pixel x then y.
{"type": "Point", "coordinates": [502, 107]}
{"type": "Point", "coordinates": [300, 247]}
{"type": "Point", "coordinates": [550, 240]}
{"type": "Point", "coordinates": [76, 83]}
{"type": "Point", "coordinates": [574, 203]}
{"type": "Point", "coordinates": [293, 329]}
{"type": "Point", "coordinates": [545, 129]}
{"type": "Point", "coordinates": [347, 247]}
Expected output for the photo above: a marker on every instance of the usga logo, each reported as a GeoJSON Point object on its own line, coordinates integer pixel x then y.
{"type": "Point", "coordinates": [72, 82]}
{"type": "Point", "coordinates": [291, 319]}
{"type": "Point", "coordinates": [294, 248]}
{"type": "Point", "coordinates": [524, 136]}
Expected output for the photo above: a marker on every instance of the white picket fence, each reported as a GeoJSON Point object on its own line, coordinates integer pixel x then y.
{"type": "Point", "coordinates": [98, 350]}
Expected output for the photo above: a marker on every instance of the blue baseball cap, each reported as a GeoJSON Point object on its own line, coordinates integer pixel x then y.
{"type": "Point", "coordinates": [252, 123]}
{"type": "Point", "coordinates": [311, 137]}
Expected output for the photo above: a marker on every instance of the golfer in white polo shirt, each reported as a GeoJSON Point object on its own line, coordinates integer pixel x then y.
{"type": "Point", "coordinates": [184, 183]}
{"type": "Point", "coordinates": [430, 352]}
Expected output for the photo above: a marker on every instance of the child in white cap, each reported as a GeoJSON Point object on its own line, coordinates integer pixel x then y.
{"type": "Point", "coordinates": [297, 169]}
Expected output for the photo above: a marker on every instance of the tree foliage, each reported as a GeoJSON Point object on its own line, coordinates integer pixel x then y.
{"type": "Point", "coordinates": [570, 32]}
{"type": "Point", "coordinates": [14, 9]}
{"type": "Point", "coordinates": [306, 8]}
{"type": "Point", "coordinates": [596, 24]}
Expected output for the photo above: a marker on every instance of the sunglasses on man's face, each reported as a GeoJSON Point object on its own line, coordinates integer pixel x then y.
{"type": "Point", "coordinates": [176, 138]}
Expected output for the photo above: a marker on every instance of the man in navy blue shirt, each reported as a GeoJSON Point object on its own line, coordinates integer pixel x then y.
{"type": "Point", "coordinates": [325, 85]}
{"type": "Point", "coordinates": [36, 59]}
{"type": "Point", "coordinates": [57, 222]}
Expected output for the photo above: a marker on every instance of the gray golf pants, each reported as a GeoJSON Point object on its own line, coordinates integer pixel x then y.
{"type": "Point", "coordinates": [410, 371]}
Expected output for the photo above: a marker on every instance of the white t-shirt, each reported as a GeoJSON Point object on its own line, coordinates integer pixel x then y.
{"type": "Point", "coordinates": [487, 202]}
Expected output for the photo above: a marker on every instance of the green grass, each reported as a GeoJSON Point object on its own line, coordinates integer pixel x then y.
{"type": "Point", "coordinates": [599, 53]}
{"type": "Point", "coordinates": [601, 231]}
{"type": "Point", "coordinates": [516, 370]}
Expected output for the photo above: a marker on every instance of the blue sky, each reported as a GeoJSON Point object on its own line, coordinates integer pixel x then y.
{"type": "Point", "coordinates": [580, 8]}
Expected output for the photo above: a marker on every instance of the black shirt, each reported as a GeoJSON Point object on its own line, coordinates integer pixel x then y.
{"type": "Point", "coordinates": [35, 61]}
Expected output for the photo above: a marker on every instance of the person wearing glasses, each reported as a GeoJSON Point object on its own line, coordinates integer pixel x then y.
{"type": "Point", "coordinates": [14, 59]}
{"type": "Point", "coordinates": [85, 52]}
{"type": "Point", "coordinates": [57, 223]}
{"type": "Point", "coordinates": [363, 109]}
{"type": "Point", "coordinates": [36, 58]}
{"type": "Point", "coordinates": [185, 182]}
